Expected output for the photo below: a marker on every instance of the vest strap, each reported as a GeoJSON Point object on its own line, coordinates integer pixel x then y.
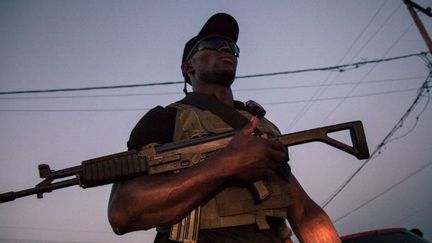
{"type": "Point", "coordinates": [210, 103]}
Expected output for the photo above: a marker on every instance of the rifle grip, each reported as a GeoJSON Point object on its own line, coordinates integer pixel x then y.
{"type": "Point", "coordinates": [260, 191]}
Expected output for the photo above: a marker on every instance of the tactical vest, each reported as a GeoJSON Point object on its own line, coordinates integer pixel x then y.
{"type": "Point", "coordinates": [233, 206]}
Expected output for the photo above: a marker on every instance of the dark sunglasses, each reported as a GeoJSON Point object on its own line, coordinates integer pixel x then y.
{"type": "Point", "coordinates": [214, 43]}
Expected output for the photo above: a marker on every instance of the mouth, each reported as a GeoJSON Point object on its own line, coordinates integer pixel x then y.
{"type": "Point", "coordinates": [227, 59]}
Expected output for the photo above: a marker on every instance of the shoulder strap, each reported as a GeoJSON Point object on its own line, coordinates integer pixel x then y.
{"type": "Point", "coordinates": [207, 102]}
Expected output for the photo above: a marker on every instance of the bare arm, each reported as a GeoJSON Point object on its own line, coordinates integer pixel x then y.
{"type": "Point", "coordinates": [161, 200]}
{"type": "Point", "coordinates": [149, 201]}
{"type": "Point", "coordinates": [308, 220]}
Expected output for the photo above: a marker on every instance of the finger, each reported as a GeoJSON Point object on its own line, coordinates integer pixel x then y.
{"type": "Point", "coordinates": [278, 157]}
{"type": "Point", "coordinates": [269, 173]}
{"type": "Point", "coordinates": [272, 165]}
{"type": "Point", "coordinates": [275, 144]}
{"type": "Point", "coordinates": [250, 127]}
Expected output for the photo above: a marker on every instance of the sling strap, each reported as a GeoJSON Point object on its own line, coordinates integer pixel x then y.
{"type": "Point", "coordinates": [207, 102]}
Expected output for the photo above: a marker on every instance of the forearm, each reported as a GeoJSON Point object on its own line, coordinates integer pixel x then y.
{"type": "Point", "coordinates": [314, 226]}
{"type": "Point", "coordinates": [161, 200]}
{"type": "Point", "coordinates": [308, 220]}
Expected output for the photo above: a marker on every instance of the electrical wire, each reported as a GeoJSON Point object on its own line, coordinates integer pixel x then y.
{"type": "Point", "coordinates": [342, 97]}
{"type": "Point", "coordinates": [423, 91]}
{"type": "Point", "coordinates": [337, 67]}
{"type": "Point", "coordinates": [90, 88]}
{"type": "Point", "coordinates": [74, 110]}
{"type": "Point", "coordinates": [370, 71]}
{"type": "Point", "coordinates": [321, 91]}
{"type": "Point", "coordinates": [384, 192]}
{"type": "Point", "coordinates": [330, 68]}
{"type": "Point", "coordinates": [264, 103]}
{"type": "Point", "coordinates": [376, 81]}
{"type": "Point", "coordinates": [415, 123]}
{"type": "Point", "coordinates": [415, 213]}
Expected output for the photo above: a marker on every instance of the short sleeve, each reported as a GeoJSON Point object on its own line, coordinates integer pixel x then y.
{"type": "Point", "coordinates": [156, 126]}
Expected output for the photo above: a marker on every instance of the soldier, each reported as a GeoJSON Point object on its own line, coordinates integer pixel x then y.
{"type": "Point", "coordinates": [218, 184]}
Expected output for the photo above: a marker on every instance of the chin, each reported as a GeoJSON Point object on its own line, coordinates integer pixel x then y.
{"type": "Point", "coordinates": [224, 78]}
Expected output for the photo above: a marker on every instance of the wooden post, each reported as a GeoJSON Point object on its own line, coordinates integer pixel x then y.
{"type": "Point", "coordinates": [411, 5]}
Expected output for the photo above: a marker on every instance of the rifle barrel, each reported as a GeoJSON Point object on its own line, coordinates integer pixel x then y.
{"type": "Point", "coordinates": [39, 190]}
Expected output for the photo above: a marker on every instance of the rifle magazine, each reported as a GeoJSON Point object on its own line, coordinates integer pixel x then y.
{"type": "Point", "coordinates": [187, 230]}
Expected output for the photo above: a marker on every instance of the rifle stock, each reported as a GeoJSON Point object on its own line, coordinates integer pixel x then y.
{"type": "Point", "coordinates": [155, 159]}
{"type": "Point", "coordinates": [359, 146]}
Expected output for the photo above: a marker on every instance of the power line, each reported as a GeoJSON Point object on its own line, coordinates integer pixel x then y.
{"type": "Point", "coordinates": [414, 214]}
{"type": "Point", "coordinates": [342, 97]}
{"type": "Point", "coordinates": [415, 123]}
{"type": "Point", "coordinates": [89, 88]}
{"type": "Point", "coordinates": [379, 29]}
{"type": "Point", "coordinates": [340, 68]}
{"type": "Point", "coordinates": [423, 91]}
{"type": "Point", "coordinates": [321, 90]}
{"type": "Point", "coordinates": [384, 192]}
{"type": "Point", "coordinates": [376, 81]}
{"type": "Point", "coordinates": [364, 31]}
{"type": "Point", "coordinates": [361, 80]}
{"type": "Point", "coordinates": [264, 103]}
{"type": "Point", "coordinates": [73, 110]}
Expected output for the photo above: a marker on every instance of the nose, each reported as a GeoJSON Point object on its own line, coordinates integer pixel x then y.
{"type": "Point", "coordinates": [225, 47]}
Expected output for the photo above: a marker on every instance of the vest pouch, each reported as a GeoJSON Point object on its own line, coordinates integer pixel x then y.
{"type": "Point", "coordinates": [188, 126]}
{"type": "Point", "coordinates": [238, 200]}
{"type": "Point", "coordinates": [213, 124]}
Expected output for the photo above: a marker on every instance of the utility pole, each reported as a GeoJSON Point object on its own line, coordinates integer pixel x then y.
{"type": "Point", "coordinates": [411, 5]}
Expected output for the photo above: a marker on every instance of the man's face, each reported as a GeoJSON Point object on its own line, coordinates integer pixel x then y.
{"type": "Point", "coordinates": [215, 66]}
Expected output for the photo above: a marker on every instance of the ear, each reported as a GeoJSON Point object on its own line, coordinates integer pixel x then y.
{"type": "Point", "coordinates": [187, 67]}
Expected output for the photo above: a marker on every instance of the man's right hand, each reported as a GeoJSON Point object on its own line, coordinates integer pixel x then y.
{"type": "Point", "coordinates": [249, 158]}
{"type": "Point", "coordinates": [162, 200]}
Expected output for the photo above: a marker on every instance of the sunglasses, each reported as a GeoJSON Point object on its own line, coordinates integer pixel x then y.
{"type": "Point", "coordinates": [214, 43]}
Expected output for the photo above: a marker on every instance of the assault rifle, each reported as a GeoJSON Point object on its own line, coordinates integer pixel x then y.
{"type": "Point", "coordinates": [155, 159]}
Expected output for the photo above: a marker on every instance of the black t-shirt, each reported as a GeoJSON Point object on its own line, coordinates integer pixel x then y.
{"type": "Point", "coordinates": [157, 126]}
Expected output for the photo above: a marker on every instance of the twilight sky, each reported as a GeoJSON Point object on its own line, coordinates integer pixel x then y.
{"type": "Point", "coordinates": [75, 44]}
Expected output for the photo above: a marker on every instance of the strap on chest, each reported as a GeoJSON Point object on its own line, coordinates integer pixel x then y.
{"type": "Point", "coordinates": [207, 102]}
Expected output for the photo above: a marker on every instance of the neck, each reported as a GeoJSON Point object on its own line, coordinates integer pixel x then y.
{"type": "Point", "coordinates": [223, 94]}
